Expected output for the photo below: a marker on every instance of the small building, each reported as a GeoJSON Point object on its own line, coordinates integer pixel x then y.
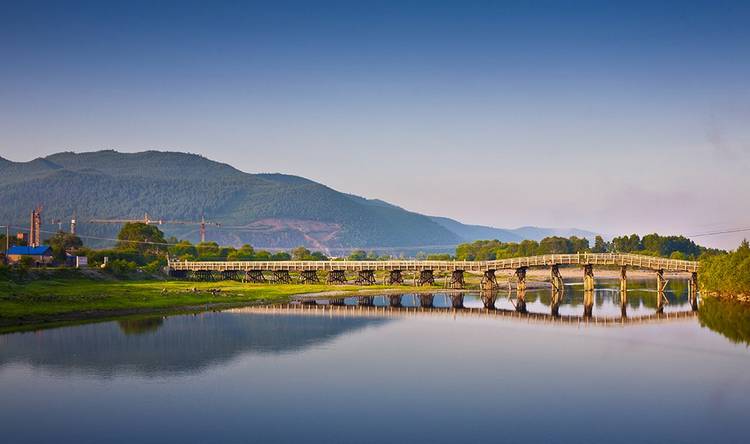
{"type": "Point", "coordinates": [39, 255]}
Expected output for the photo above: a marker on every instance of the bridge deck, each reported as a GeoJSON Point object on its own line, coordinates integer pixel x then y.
{"type": "Point", "coordinates": [609, 259]}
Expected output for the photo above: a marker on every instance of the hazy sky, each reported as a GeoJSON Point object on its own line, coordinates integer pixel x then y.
{"type": "Point", "coordinates": [610, 116]}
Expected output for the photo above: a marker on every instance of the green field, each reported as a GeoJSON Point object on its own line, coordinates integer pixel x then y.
{"type": "Point", "coordinates": [68, 298]}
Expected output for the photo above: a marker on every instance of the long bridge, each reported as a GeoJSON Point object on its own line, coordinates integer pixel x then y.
{"type": "Point", "coordinates": [424, 271]}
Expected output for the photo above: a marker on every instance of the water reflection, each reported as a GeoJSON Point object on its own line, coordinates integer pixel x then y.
{"type": "Point", "coordinates": [641, 299]}
{"type": "Point", "coordinates": [731, 319]}
{"type": "Point", "coordinates": [177, 344]}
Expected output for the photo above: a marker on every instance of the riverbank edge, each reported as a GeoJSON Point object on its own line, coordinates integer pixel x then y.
{"type": "Point", "coordinates": [76, 317]}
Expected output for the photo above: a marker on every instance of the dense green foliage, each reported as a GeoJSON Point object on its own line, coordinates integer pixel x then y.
{"type": "Point", "coordinates": [727, 274]}
{"type": "Point", "coordinates": [494, 249]}
{"type": "Point", "coordinates": [675, 247]}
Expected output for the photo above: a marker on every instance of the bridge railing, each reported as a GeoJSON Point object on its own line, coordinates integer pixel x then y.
{"type": "Point", "coordinates": [610, 259]}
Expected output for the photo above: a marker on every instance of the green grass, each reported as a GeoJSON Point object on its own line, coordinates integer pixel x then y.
{"type": "Point", "coordinates": [49, 299]}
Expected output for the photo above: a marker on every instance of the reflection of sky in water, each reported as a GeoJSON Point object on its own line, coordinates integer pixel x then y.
{"type": "Point", "coordinates": [231, 377]}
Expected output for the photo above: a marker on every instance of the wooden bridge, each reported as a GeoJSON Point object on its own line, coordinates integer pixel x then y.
{"type": "Point", "coordinates": [608, 259]}
{"type": "Point", "coordinates": [253, 271]}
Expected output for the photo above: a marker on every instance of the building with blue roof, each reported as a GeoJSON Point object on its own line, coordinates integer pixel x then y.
{"type": "Point", "coordinates": [41, 255]}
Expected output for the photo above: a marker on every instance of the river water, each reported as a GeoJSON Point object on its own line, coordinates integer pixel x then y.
{"type": "Point", "coordinates": [239, 376]}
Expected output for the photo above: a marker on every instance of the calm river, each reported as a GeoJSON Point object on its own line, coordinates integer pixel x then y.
{"type": "Point", "coordinates": [248, 377]}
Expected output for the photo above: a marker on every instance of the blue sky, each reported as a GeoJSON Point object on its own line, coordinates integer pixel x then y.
{"type": "Point", "coordinates": [611, 116]}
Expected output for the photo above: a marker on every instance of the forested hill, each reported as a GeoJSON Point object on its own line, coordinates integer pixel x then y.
{"type": "Point", "coordinates": [266, 210]}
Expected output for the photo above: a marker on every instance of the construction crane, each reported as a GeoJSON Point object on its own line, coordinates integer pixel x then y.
{"type": "Point", "coordinates": [146, 220]}
{"type": "Point", "coordinates": [202, 224]}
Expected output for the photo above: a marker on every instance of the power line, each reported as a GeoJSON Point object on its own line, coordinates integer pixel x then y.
{"type": "Point", "coordinates": [712, 233]}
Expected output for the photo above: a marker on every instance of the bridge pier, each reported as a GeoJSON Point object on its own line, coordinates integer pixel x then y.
{"type": "Point", "coordinates": [624, 279]}
{"type": "Point", "coordinates": [336, 277]}
{"type": "Point", "coordinates": [337, 301]}
{"type": "Point", "coordinates": [394, 300]}
{"type": "Point", "coordinates": [489, 280]}
{"type": "Point", "coordinates": [204, 275]}
{"type": "Point", "coordinates": [308, 277]}
{"type": "Point", "coordinates": [488, 298]}
{"type": "Point", "coordinates": [365, 277]}
{"type": "Point", "coordinates": [425, 300]}
{"type": "Point", "coordinates": [426, 277]}
{"type": "Point", "coordinates": [457, 300]}
{"type": "Point", "coordinates": [588, 303]}
{"type": "Point", "coordinates": [255, 276]}
{"type": "Point", "coordinates": [661, 285]}
{"type": "Point", "coordinates": [521, 276]}
{"type": "Point", "coordinates": [178, 274]}
{"type": "Point", "coordinates": [521, 299]}
{"type": "Point", "coordinates": [457, 279]}
{"type": "Point", "coordinates": [555, 301]}
{"type": "Point", "coordinates": [558, 284]}
{"type": "Point", "coordinates": [229, 275]}
{"type": "Point", "coordinates": [588, 277]}
{"type": "Point", "coordinates": [395, 277]}
{"type": "Point", "coordinates": [693, 291]}
{"type": "Point", "coordinates": [281, 277]}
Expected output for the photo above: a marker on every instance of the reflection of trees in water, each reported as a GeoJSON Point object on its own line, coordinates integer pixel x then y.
{"type": "Point", "coordinates": [729, 318]}
{"type": "Point", "coordinates": [177, 344]}
{"type": "Point", "coordinates": [140, 326]}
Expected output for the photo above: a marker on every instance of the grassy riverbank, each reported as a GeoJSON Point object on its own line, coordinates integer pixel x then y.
{"type": "Point", "coordinates": [78, 297]}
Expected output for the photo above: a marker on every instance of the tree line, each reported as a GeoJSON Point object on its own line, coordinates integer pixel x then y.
{"type": "Point", "coordinates": [675, 247]}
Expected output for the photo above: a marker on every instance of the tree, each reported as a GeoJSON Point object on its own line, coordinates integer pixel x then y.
{"type": "Point", "coordinates": [61, 242]}
{"type": "Point", "coordinates": [142, 237]}
{"type": "Point", "coordinates": [600, 246]}
{"type": "Point", "coordinates": [358, 255]}
{"type": "Point", "coordinates": [301, 254]}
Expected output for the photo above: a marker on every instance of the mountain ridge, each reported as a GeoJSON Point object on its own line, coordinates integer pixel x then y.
{"type": "Point", "coordinates": [270, 210]}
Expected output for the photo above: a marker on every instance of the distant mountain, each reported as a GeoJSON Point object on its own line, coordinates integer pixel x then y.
{"type": "Point", "coordinates": [265, 210]}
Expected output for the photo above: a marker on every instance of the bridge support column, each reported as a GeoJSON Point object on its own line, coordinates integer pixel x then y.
{"type": "Point", "coordinates": [588, 303]}
{"type": "Point", "coordinates": [661, 285]}
{"type": "Point", "coordinates": [204, 275]}
{"type": "Point", "coordinates": [229, 275]}
{"type": "Point", "coordinates": [395, 300]}
{"type": "Point", "coordinates": [281, 277]}
{"type": "Point", "coordinates": [457, 300]}
{"type": "Point", "coordinates": [521, 299]}
{"type": "Point", "coordinates": [337, 277]}
{"type": "Point", "coordinates": [395, 277]}
{"type": "Point", "coordinates": [425, 300]}
{"type": "Point", "coordinates": [521, 276]}
{"type": "Point", "coordinates": [555, 301]}
{"type": "Point", "coordinates": [178, 274]}
{"type": "Point", "coordinates": [588, 277]}
{"type": "Point", "coordinates": [693, 291]}
{"type": "Point", "coordinates": [337, 301]}
{"type": "Point", "coordinates": [426, 277]}
{"type": "Point", "coordinates": [624, 291]}
{"type": "Point", "coordinates": [457, 279]}
{"type": "Point", "coordinates": [556, 279]}
{"type": "Point", "coordinates": [365, 277]}
{"type": "Point", "coordinates": [255, 276]}
{"type": "Point", "coordinates": [488, 298]}
{"type": "Point", "coordinates": [489, 280]}
{"type": "Point", "coordinates": [308, 277]}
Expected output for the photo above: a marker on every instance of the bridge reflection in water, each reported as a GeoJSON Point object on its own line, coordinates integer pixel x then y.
{"type": "Point", "coordinates": [312, 308]}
